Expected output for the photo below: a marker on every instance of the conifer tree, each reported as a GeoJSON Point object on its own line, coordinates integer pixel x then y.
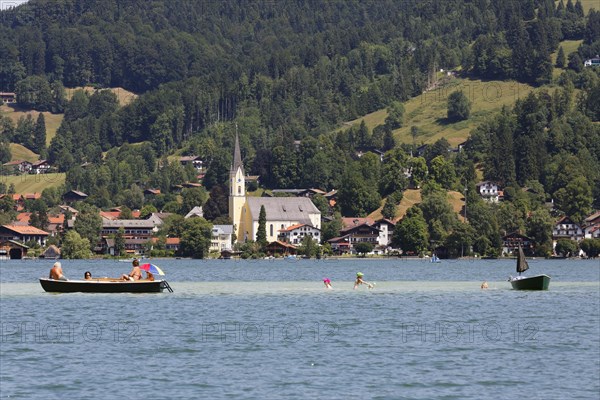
{"type": "Point", "coordinates": [560, 58]}
{"type": "Point", "coordinates": [39, 136]}
{"type": "Point", "coordinates": [261, 233]}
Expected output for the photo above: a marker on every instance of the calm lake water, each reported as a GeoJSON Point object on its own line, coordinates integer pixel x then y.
{"type": "Point", "coordinates": [269, 330]}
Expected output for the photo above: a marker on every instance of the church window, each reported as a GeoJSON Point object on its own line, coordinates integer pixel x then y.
{"type": "Point", "coordinates": [271, 230]}
{"type": "Point", "coordinates": [239, 190]}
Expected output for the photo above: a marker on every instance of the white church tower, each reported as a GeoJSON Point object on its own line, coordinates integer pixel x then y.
{"type": "Point", "coordinates": [237, 190]}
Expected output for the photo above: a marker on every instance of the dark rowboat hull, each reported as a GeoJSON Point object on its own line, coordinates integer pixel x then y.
{"type": "Point", "coordinates": [539, 282]}
{"type": "Point", "coordinates": [103, 286]}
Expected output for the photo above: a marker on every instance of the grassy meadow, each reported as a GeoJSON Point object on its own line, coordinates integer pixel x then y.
{"type": "Point", "coordinates": [53, 121]}
{"type": "Point", "coordinates": [20, 152]}
{"type": "Point", "coordinates": [428, 111]}
{"type": "Point", "coordinates": [413, 196]}
{"type": "Point", "coordinates": [33, 183]}
{"type": "Point", "coordinates": [123, 95]}
{"type": "Point", "coordinates": [588, 5]}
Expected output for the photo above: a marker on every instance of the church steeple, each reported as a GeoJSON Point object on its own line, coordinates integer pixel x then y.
{"type": "Point", "coordinates": [237, 155]}
{"type": "Point", "coordinates": [237, 189]}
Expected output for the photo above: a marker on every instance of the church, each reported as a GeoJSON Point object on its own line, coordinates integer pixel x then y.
{"type": "Point", "coordinates": [282, 212]}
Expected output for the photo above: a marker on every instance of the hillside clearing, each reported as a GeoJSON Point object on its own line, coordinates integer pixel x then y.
{"type": "Point", "coordinates": [53, 121]}
{"type": "Point", "coordinates": [428, 111]}
{"type": "Point", "coordinates": [33, 183]}
{"type": "Point", "coordinates": [123, 95]}
{"type": "Point", "coordinates": [569, 46]}
{"type": "Point", "coordinates": [588, 5]}
{"type": "Point", "coordinates": [413, 196]}
{"type": "Point", "coordinates": [19, 152]}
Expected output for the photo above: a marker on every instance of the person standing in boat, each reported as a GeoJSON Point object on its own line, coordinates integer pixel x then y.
{"type": "Point", "coordinates": [135, 274]}
{"type": "Point", "coordinates": [57, 273]}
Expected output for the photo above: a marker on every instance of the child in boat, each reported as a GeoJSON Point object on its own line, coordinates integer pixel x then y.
{"type": "Point", "coordinates": [360, 281]}
{"type": "Point", "coordinates": [327, 283]}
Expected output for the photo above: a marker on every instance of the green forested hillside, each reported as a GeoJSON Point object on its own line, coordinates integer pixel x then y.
{"type": "Point", "coordinates": [287, 75]}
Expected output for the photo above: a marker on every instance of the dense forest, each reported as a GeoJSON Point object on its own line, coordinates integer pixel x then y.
{"type": "Point", "coordinates": [284, 71]}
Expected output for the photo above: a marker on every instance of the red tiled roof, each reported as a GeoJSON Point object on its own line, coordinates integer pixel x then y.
{"type": "Point", "coordinates": [168, 241]}
{"type": "Point", "coordinates": [25, 230]}
{"type": "Point", "coordinates": [291, 228]}
{"type": "Point", "coordinates": [112, 215]}
{"type": "Point", "coordinates": [282, 244]}
{"type": "Point", "coordinates": [23, 217]}
{"type": "Point", "coordinates": [593, 217]}
{"type": "Point", "coordinates": [56, 219]}
{"type": "Point", "coordinates": [172, 241]}
{"type": "Point", "coordinates": [15, 162]}
{"type": "Point", "coordinates": [32, 196]}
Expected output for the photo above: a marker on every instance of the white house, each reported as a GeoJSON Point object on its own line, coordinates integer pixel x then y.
{"type": "Point", "coordinates": [194, 161]}
{"type": "Point", "coordinates": [40, 167]}
{"type": "Point", "coordinates": [592, 62]}
{"type": "Point", "coordinates": [221, 237]}
{"type": "Point", "coordinates": [489, 191]}
{"type": "Point", "coordinates": [386, 231]}
{"type": "Point", "coordinates": [565, 228]}
{"type": "Point", "coordinates": [295, 234]}
{"type": "Point", "coordinates": [591, 226]}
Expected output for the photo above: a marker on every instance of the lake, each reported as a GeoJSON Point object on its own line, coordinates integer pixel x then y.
{"type": "Point", "coordinates": [268, 329]}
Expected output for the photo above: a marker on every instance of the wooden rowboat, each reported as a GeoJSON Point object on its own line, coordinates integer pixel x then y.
{"type": "Point", "coordinates": [104, 285]}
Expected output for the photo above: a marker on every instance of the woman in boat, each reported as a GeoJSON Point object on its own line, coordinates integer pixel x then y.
{"type": "Point", "coordinates": [135, 274]}
{"type": "Point", "coordinates": [327, 283]}
{"type": "Point", "coordinates": [56, 272]}
{"type": "Point", "coordinates": [87, 275]}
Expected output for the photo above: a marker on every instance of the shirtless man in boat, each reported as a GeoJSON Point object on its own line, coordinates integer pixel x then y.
{"type": "Point", "coordinates": [56, 272]}
{"type": "Point", "coordinates": [135, 274]}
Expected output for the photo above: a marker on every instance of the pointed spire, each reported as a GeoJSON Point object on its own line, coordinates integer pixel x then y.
{"type": "Point", "coordinates": [237, 155]}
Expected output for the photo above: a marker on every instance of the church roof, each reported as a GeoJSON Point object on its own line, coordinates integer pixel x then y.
{"type": "Point", "coordinates": [283, 208]}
